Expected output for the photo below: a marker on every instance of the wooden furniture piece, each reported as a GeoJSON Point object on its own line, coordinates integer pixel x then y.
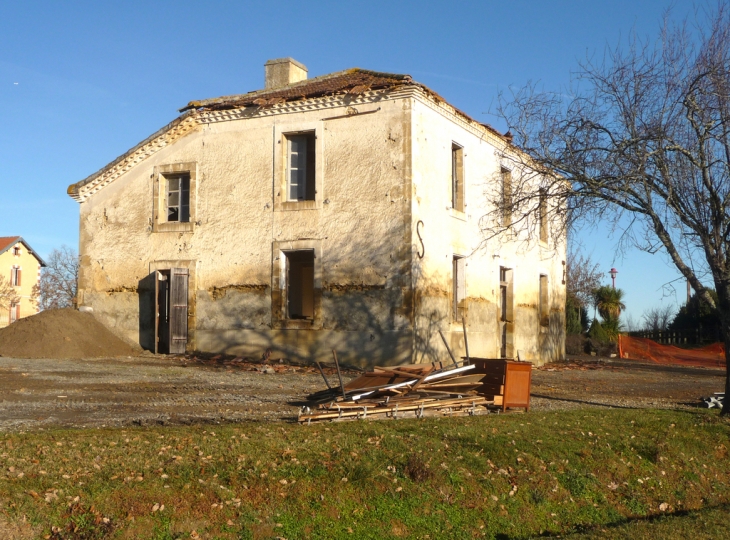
{"type": "Point", "coordinates": [507, 382]}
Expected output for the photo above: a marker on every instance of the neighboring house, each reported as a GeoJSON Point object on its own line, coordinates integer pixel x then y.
{"type": "Point", "coordinates": [21, 268]}
{"type": "Point", "coordinates": [339, 212]}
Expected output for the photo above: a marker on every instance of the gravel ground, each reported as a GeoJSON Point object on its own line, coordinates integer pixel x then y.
{"type": "Point", "coordinates": [42, 393]}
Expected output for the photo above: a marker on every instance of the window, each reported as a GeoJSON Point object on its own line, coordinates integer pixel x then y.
{"type": "Point", "coordinates": [542, 215]}
{"type": "Point", "coordinates": [544, 309]}
{"type": "Point", "coordinates": [16, 251]}
{"type": "Point", "coordinates": [174, 197]}
{"type": "Point", "coordinates": [15, 276]}
{"type": "Point", "coordinates": [457, 177]}
{"type": "Point", "coordinates": [506, 312]}
{"type": "Point", "coordinates": [506, 197]}
{"type": "Point", "coordinates": [300, 167]}
{"type": "Point", "coordinates": [178, 197]}
{"type": "Point", "coordinates": [14, 312]}
{"type": "Point", "coordinates": [299, 284]}
{"type": "Point", "coordinates": [459, 281]}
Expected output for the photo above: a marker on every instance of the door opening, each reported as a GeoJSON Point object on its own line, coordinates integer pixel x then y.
{"type": "Point", "coordinates": [300, 284]}
{"type": "Point", "coordinates": [171, 310]}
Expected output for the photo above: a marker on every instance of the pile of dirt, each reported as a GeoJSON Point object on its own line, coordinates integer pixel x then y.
{"type": "Point", "coordinates": [61, 333]}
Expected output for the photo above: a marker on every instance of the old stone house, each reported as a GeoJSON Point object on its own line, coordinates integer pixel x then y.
{"type": "Point", "coordinates": [21, 269]}
{"type": "Point", "coordinates": [337, 212]}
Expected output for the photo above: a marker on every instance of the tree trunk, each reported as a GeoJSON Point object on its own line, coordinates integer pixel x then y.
{"type": "Point", "coordinates": [723, 293]}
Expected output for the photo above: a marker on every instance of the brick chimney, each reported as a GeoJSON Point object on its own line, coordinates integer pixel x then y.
{"type": "Point", "coordinates": [283, 71]}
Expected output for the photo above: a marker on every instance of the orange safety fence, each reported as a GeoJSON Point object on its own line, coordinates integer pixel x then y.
{"type": "Point", "coordinates": [634, 348]}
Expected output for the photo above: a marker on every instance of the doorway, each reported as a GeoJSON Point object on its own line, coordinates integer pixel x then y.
{"type": "Point", "coordinates": [300, 284]}
{"type": "Point", "coordinates": [171, 310]}
{"type": "Point", "coordinates": [506, 313]}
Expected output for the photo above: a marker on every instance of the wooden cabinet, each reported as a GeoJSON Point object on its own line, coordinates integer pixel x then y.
{"type": "Point", "coordinates": [507, 382]}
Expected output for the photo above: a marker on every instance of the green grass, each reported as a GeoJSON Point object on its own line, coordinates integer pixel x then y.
{"type": "Point", "coordinates": [588, 474]}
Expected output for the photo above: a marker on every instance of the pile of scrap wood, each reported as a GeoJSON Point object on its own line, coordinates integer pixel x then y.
{"type": "Point", "coordinates": [414, 390]}
{"type": "Point", "coordinates": [714, 401]}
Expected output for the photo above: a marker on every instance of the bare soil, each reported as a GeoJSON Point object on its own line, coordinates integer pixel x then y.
{"type": "Point", "coordinates": [121, 391]}
{"type": "Point", "coordinates": [61, 333]}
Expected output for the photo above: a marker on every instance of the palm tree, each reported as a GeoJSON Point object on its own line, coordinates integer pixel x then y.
{"type": "Point", "coordinates": [608, 302]}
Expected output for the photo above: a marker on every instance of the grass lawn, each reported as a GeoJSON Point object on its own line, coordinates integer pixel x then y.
{"type": "Point", "coordinates": [582, 474]}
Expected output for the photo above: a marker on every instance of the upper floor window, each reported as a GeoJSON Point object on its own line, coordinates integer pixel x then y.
{"type": "Point", "coordinates": [174, 197]}
{"type": "Point", "coordinates": [457, 177]}
{"type": "Point", "coordinates": [15, 276]}
{"type": "Point", "coordinates": [16, 251]}
{"type": "Point", "coordinates": [506, 202]}
{"type": "Point", "coordinates": [178, 197]}
{"type": "Point", "coordinates": [542, 216]}
{"type": "Point", "coordinates": [300, 166]}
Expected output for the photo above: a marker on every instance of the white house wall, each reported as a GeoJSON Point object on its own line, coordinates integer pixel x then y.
{"type": "Point", "coordinates": [446, 232]}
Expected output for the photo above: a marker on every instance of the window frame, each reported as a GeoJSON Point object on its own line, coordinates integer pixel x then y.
{"type": "Point", "coordinates": [542, 216]}
{"type": "Point", "coordinates": [458, 289]}
{"type": "Point", "coordinates": [282, 133]}
{"type": "Point", "coordinates": [506, 196]}
{"type": "Point", "coordinates": [162, 174]}
{"type": "Point", "coordinates": [15, 276]}
{"type": "Point", "coordinates": [279, 309]}
{"type": "Point", "coordinates": [543, 302]}
{"type": "Point", "coordinates": [458, 185]}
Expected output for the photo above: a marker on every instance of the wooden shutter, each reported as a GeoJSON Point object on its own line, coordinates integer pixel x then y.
{"type": "Point", "coordinates": [18, 271]}
{"type": "Point", "coordinates": [178, 310]}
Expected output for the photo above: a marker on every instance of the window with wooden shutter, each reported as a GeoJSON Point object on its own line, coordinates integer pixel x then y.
{"type": "Point", "coordinates": [178, 310]}
{"type": "Point", "coordinates": [459, 280]}
{"type": "Point", "coordinates": [15, 276]}
{"type": "Point", "coordinates": [300, 173]}
{"type": "Point", "coordinates": [457, 177]}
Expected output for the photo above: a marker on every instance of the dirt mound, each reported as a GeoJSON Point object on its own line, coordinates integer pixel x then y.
{"type": "Point", "coordinates": [61, 333]}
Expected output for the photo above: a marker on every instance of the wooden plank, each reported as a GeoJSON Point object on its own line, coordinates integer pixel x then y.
{"type": "Point", "coordinates": [178, 310]}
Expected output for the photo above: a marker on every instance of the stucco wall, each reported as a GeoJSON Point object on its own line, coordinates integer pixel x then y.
{"type": "Point", "coordinates": [360, 226]}
{"type": "Point", "coordinates": [446, 232]}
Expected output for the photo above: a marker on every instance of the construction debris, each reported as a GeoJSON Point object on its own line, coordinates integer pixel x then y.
{"type": "Point", "coordinates": [416, 390]}
{"type": "Point", "coordinates": [714, 401]}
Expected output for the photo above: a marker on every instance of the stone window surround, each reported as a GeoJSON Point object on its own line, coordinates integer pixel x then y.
{"type": "Point", "coordinates": [280, 160]}
{"type": "Point", "coordinates": [159, 197]}
{"type": "Point", "coordinates": [278, 284]}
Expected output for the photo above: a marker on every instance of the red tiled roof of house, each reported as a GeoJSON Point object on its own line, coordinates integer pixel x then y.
{"type": "Point", "coordinates": [7, 241]}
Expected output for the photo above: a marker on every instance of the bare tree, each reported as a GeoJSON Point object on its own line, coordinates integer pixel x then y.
{"type": "Point", "coordinates": [642, 142]}
{"type": "Point", "coordinates": [58, 283]}
{"type": "Point", "coordinates": [8, 294]}
{"type": "Point", "coordinates": [658, 318]}
{"type": "Point", "coordinates": [582, 277]}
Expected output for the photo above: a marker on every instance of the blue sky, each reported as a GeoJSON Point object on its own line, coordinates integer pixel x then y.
{"type": "Point", "coordinates": [82, 82]}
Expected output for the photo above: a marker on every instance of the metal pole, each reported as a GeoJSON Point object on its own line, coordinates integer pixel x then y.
{"type": "Point", "coordinates": [447, 348]}
{"type": "Point", "coordinates": [321, 371]}
{"type": "Point", "coordinates": [466, 341]}
{"type": "Point", "coordinates": [339, 375]}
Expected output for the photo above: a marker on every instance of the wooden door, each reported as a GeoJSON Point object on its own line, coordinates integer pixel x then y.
{"type": "Point", "coordinates": [178, 310]}
{"type": "Point", "coordinates": [162, 311]}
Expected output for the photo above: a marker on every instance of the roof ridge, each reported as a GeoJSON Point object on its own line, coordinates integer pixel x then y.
{"type": "Point", "coordinates": [293, 86]}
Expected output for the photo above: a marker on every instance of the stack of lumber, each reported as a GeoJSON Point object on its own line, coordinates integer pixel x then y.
{"type": "Point", "coordinates": [416, 390]}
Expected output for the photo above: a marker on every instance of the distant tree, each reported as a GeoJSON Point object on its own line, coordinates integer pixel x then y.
{"type": "Point", "coordinates": [698, 315]}
{"type": "Point", "coordinates": [59, 280]}
{"type": "Point", "coordinates": [8, 294]}
{"type": "Point", "coordinates": [582, 278]}
{"type": "Point", "coordinates": [609, 302]}
{"type": "Point", "coordinates": [658, 318]}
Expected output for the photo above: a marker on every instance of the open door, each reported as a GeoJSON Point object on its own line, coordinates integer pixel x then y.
{"type": "Point", "coordinates": [171, 310]}
{"type": "Point", "coordinates": [178, 310]}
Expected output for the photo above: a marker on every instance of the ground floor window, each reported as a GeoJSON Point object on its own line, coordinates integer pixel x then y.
{"type": "Point", "coordinates": [14, 312]}
{"type": "Point", "coordinates": [299, 286]}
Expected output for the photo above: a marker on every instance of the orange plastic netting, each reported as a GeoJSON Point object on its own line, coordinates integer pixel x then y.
{"type": "Point", "coordinates": [634, 348]}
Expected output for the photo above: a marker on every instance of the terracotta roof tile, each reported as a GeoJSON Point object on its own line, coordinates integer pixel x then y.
{"type": "Point", "coordinates": [353, 81]}
{"type": "Point", "coordinates": [7, 241]}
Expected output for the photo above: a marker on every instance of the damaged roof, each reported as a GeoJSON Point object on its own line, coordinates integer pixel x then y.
{"type": "Point", "coordinates": [349, 81]}
{"type": "Point", "coordinates": [352, 81]}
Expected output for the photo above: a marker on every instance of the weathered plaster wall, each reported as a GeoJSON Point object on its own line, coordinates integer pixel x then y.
{"type": "Point", "coordinates": [446, 232]}
{"type": "Point", "coordinates": [360, 225]}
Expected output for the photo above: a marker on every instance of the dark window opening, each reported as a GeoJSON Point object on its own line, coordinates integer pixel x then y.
{"type": "Point", "coordinates": [300, 284]}
{"type": "Point", "coordinates": [16, 251]}
{"type": "Point", "coordinates": [544, 307]}
{"type": "Point", "coordinates": [15, 276]}
{"type": "Point", "coordinates": [457, 177]}
{"type": "Point", "coordinates": [178, 198]}
{"type": "Point", "coordinates": [459, 278]}
{"type": "Point", "coordinates": [300, 174]}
